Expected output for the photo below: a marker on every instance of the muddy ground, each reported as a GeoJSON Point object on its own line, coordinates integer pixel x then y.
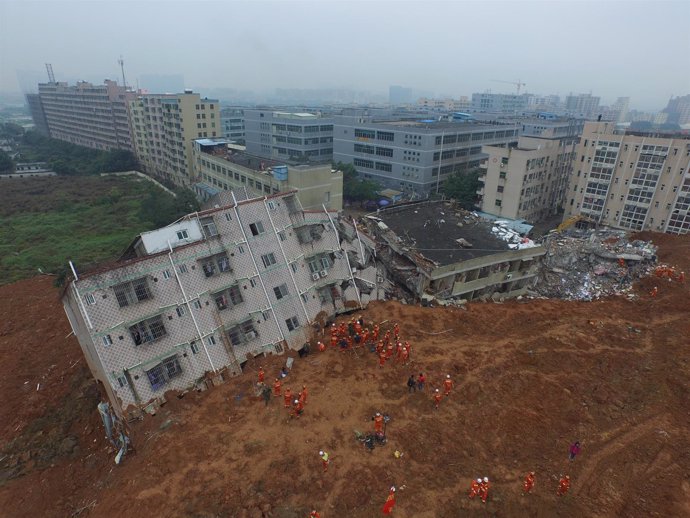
{"type": "Point", "coordinates": [531, 377]}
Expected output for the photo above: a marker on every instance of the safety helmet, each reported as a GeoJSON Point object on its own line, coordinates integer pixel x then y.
{"type": "Point", "coordinates": [448, 376]}
{"type": "Point", "coordinates": [333, 324]}
{"type": "Point", "coordinates": [377, 414]}
{"type": "Point", "coordinates": [531, 473]}
{"type": "Point", "coordinates": [568, 477]}
{"type": "Point", "coordinates": [486, 479]}
{"type": "Point", "coordinates": [436, 390]}
{"type": "Point", "coordinates": [392, 488]}
{"type": "Point", "coordinates": [320, 452]}
{"type": "Point", "coordinates": [296, 401]}
{"type": "Point", "coordinates": [479, 480]}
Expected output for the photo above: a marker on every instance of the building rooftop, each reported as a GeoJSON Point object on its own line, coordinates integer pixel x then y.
{"type": "Point", "coordinates": [433, 126]}
{"type": "Point", "coordinates": [432, 230]}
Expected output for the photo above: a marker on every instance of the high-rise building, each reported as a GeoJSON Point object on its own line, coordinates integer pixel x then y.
{"type": "Point", "coordinates": [89, 115]}
{"type": "Point", "coordinates": [632, 180]}
{"type": "Point", "coordinates": [414, 156]}
{"type": "Point", "coordinates": [220, 168]}
{"type": "Point", "coordinates": [191, 301]}
{"type": "Point", "coordinates": [499, 103]}
{"type": "Point", "coordinates": [530, 181]}
{"type": "Point", "coordinates": [582, 105]}
{"type": "Point", "coordinates": [164, 127]}
{"type": "Point", "coordinates": [37, 114]}
{"type": "Point", "coordinates": [678, 110]}
{"type": "Point", "coordinates": [620, 108]}
{"type": "Point", "coordinates": [400, 95]}
{"type": "Point", "coordinates": [232, 121]}
{"type": "Point", "coordinates": [444, 105]}
{"type": "Point", "coordinates": [298, 137]}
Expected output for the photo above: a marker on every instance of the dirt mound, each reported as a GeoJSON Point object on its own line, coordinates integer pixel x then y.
{"type": "Point", "coordinates": [531, 377]}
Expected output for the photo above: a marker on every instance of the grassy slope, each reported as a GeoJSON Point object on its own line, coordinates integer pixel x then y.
{"type": "Point", "coordinates": [49, 221]}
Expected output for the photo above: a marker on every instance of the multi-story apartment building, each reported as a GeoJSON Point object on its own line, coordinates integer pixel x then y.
{"type": "Point", "coordinates": [202, 295]}
{"type": "Point", "coordinates": [529, 182]}
{"type": "Point", "coordinates": [445, 105]}
{"type": "Point", "coordinates": [89, 115]}
{"type": "Point", "coordinates": [631, 180]}
{"type": "Point", "coordinates": [164, 127]}
{"type": "Point", "coordinates": [412, 155]}
{"type": "Point", "coordinates": [219, 168]}
{"type": "Point", "coordinates": [582, 105]}
{"type": "Point", "coordinates": [303, 137]}
{"type": "Point", "coordinates": [497, 103]}
{"type": "Point", "coordinates": [232, 123]}
{"type": "Point", "coordinates": [678, 110]}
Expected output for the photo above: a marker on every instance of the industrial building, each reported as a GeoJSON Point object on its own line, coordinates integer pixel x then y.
{"type": "Point", "coordinates": [529, 181]}
{"type": "Point", "coordinates": [88, 115]}
{"type": "Point", "coordinates": [499, 103]}
{"type": "Point", "coordinates": [191, 302]}
{"type": "Point", "coordinates": [582, 105]}
{"type": "Point", "coordinates": [415, 156]}
{"type": "Point", "coordinates": [631, 180]}
{"type": "Point", "coordinates": [218, 167]}
{"type": "Point", "coordinates": [280, 135]}
{"type": "Point", "coordinates": [164, 127]}
{"type": "Point", "coordinates": [232, 123]}
{"type": "Point", "coordinates": [438, 251]}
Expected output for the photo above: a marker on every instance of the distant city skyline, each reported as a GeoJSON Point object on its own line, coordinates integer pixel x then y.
{"type": "Point", "coordinates": [448, 48]}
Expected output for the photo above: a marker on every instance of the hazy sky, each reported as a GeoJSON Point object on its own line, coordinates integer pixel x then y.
{"type": "Point", "coordinates": [611, 48]}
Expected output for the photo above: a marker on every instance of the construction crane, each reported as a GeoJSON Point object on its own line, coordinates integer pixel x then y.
{"type": "Point", "coordinates": [51, 76]}
{"type": "Point", "coordinates": [121, 62]}
{"type": "Point", "coordinates": [517, 83]}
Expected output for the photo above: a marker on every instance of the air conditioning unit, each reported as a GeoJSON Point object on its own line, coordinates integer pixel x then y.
{"type": "Point", "coordinates": [251, 335]}
{"type": "Point", "coordinates": [315, 276]}
{"type": "Point", "coordinates": [379, 279]}
{"type": "Point", "coordinates": [324, 273]}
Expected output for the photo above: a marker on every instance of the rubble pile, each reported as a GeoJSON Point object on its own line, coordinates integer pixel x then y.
{"type": "Point", "coordinates": [587, 265]}
{"type": "Point", "coordinates": [510, 236]}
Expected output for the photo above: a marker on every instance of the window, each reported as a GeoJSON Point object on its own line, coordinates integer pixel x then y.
{"type": "Point", "coordinates": [252, 283]}
{"type": "Point", "coordinates": [358, 162]}
{"type": "Point", "coordinates": [499, 188]}
{"type": "Point", "coordinates": [208, 226]}
{"type": "Point", "coordinates": [122, 381]}
{"type": "Point", "coordinates": [381, 166]}
{"type": "Point", "coordinates": [182, 234]}
{"type": "Point", "coordinates": [256, 228]}
{"type": "Point", "coordinates": [194, 347]}
{"type": "Point", "coordinates": [180, 311]}
{"type": "Point", "coordinates": [292, 323]}
{"type": "Point", "coordinates": [384, 151]}
{"type": "Point", "coordinates": [497, 203]}
{"type": "Point", "coordinates": [162, 373]}
{"type": "Point", "coordinates": [268, 259]}
{"type": "Point", "coordinates": [282, 235]}
{"type": "Point", "coordinates": [228, 216]}
{"type": "Point", "coordinates": [211, 340]}
{"type": "Point", "coordinates": [132, 292]}
{"type": "Point", "coordinates": [148, 330]}
{"type": "Point", "coordinates": [242, 333]}
{"type": "Point", "coordinates": [385, 135]}
{"type": "Point", "coordinates": [166, 274]}
{"type": "Point", "coordinates": [363, 148]}
{"type": "Point", "coordinates": [107, 340]}
{"type": "Point", "coordinates": [183, 268]}
{"type": "Point", "coordinates": [90, 299]}
{"type": "Point", "coordinates": [280, 291]}
{"type": "Point", "coordinates": [294, 267]}
{"type": "Point", "coordinates": [196, 304]}
{"type": "Point", "coordinates": [364, 134]}
{"type": "Point", "coordinates": [217, 263]}
{"type": "Point", "coordinates": [228, 298]}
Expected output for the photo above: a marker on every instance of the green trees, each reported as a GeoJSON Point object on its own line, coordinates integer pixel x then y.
{"type": "Point", "coordinates": [161, 209]}
{"type": "Point", "coordinates": [70, 159]}
{"type": "Point", "coordinates": [462, 187]}
{"type": "Point", "coordinates": [6, 164]}
{"type": "Point", "coordinates": [354, 187]}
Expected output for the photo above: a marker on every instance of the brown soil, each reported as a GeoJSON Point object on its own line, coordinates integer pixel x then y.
{"type": "Point", "coordinates": [531, 377]}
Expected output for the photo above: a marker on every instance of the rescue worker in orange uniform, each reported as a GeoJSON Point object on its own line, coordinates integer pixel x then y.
{"type": "Point", "coordinates": [529, 482]}
{"type": "Point", "coordinates": [396, 330]}
{"type": "Point", "coordinates": [437, 398]}
{"type": "Point", "coordinates": [389, 351]}
{"type": "Point", "coordinates": [261, 374]}
{"type": "Point", "coordinates": [378, 423]}
{"type": "Point", "coordinates": [382, 359]}
{"type": "Point", "coordinates": [322, 346]}
{"type": "Point", "coordinates": [287, 397]}
{"type": "Point", "coordinates": [376, 333]}
{"type": "Point", "coordinates": [654, 291]}
{"type": "Point", "coordinates": [474, 488]}
{"type": "Point", "coordinates": [484, 489]}
{"type": "Point", "coordinates": [379, 346]}
{"type": "Point", "coordinates": [365, 337]}
{"type": "Point", "coordinates": [277, 385]}
{"type": "Point", "coordinates": [297, 408]}
{"type": "Point", "coordinates": [314, 514]}
{"type": "Point", "coordinates": [387, 338]}
{"type": "Point", "coordinates": [324, 460]}
{"type": "Point", "coordinates": [398, 352]}
{"type": "Point", "coordinates": [563, 485]}
{"type": "Point", "coordinates": [405, 355]}
{"type": "Point", "coordinates": [447, 385]}
{"type": "Point", "coordinates": [390, 502]}
{"type": "Point", "coordinates": [681, 277]}
{"type": "Point", "coordinates": [303, 395]}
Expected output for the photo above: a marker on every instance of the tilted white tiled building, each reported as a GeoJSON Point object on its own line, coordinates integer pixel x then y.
{"type": "Point", "coordinates": [205, 293]}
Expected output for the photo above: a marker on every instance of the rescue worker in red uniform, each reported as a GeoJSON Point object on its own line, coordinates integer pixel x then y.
{"type": "Point", "coordinates": [529, 482]}
{"type": "Point", "coordinates": [447, 385]}
{"type": "Point", "coordinates": [563, 485]}
{"type": "Point", "coordinates": [474, 488]}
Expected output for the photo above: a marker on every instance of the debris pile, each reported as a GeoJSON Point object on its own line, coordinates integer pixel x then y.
{"type": "Point", "coordinates": [514, 239]}
{"type": "Point", "coordinates": [587, 265]}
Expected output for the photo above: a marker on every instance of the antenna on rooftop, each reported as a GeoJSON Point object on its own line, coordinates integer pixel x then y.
{"type": "Point", "coordinates": [51, 76]}
{"type": "Point", "coordinates": [121, 62]}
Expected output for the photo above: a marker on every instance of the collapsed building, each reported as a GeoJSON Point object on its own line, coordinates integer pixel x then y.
{"type": "Point", "coordinates": [437, 250]}
{"type": "Point", "coordinates": [186, 305]}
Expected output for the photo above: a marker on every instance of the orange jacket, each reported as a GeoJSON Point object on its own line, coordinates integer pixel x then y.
{"type": "Point", "coordinates": [447, 384]}
{"type": "Point", "coordinates": [261, 375]}
{"type": "Point", "coordinates": [378, 423]}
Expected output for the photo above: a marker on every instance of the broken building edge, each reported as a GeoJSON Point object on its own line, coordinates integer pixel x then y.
{"type": "Point", "coordinates": [188, 304]}
{"type": "Point", "coordinates": [440, 251]}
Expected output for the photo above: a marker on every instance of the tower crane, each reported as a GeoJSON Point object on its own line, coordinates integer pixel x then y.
{"type": "Point", "coordinates": [517, 83]}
